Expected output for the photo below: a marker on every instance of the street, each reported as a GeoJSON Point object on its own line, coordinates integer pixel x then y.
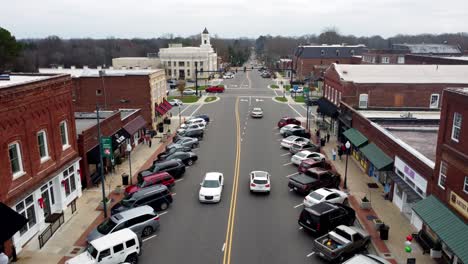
{"type": "Point", "coordinates": [243, 227]}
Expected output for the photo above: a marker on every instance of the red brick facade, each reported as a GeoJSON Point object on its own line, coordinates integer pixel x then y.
{"type": "Point", "coordinates": [24, 111]}
{"type": "Point", "coordinates": [419, 59]}
{"type": "Point", "coordinates": [453, 154]}
{"type": "Point", "coordinates": [306, 67]}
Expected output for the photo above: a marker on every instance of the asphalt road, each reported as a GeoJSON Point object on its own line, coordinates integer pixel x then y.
{"type": "Point", "coordinates": [243, 227]}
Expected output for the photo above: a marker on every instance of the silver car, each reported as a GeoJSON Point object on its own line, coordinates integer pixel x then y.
{"type": "Point", "coordinates": [142, 220]}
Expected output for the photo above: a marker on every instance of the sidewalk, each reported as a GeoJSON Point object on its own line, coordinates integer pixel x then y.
{"type": "Point", "coordinates": [393, 248]}
{"type": "Point", "coordinates": [70, 238]}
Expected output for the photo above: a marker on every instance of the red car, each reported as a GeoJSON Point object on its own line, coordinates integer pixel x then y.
{"type": "Point", "coordinates": [288, 120]}
{"type": "Point", "coordinates": [158, 178]}
{"type": "Point", "coordinates": [311, 163]}
{"type": "Point", "coordinates": [215, 89]}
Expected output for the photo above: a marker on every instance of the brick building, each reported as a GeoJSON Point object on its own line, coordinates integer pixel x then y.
{"type": "Point", "coordinates": [311, 61]}
{"type": "Point", "coordinates": [39, 162]}
{"type": "Point", "coordinates": [424, 59]}
{"type": "Point", "coordinates": [118, 89]}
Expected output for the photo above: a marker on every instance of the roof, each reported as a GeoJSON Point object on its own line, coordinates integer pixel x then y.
{"type": "Point", "coordinates": [112, 239]}
{"type": "Point", "coordinates": [328, 51]}
{"type": "Point", "coordinates": [448, 226]}
{"type": "Point", "coordinates": [212, 175]}
{"type": "Point", "coordinates": [147, 190]}
{"type": "Point", "coordinates": [419, 115]}
{"type": "Point", "coordinates": [394, 73]}
{"type": "Point", "coordinates": [355, 137]}
{"type": "Point", "coordinates": [85, 120]}
{"type": "Point", "coordinates": [133, 126]}
{"type": "Point", "coordinates": [205, 31]}
{"type": "Point", "coordinates": [23, 79]}
{"type": "Point", "coordinates": [428, 48]}
{"type": "Point", "coordinates": [88, 72]}
{"type": "Point", "coordinates": [461, 91]}
{"type": "Point", "coordinates": [321, 208]}
{"type": "Point", "coordinates": [422, 140]}
{"type": "Point", "coordinates": [139, 210]}
{"type": "Point", "coordinates": [376, 156]}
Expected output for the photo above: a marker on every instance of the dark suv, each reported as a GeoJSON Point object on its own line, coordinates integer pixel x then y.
{"type": "Point", "coordinates": [174, 167]}
{"type": "Point", "coordinates": [177, 148]}
{"type": "Point", "coordinates": [323, 217]}
{"type": "Point", "coordinates": [313, 179]}
{"type": "Point", "coordinates": [156, 196]}
{"type": "Point", "coordinates": [300, 132]}
{"type": "Point", "coordinates": [198, 134]}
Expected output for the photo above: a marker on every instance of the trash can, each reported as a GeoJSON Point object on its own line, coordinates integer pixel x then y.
{"type": "Point", "coordinates": [125, 178]}
{"type": "Point", "coordinates": [384, 232]}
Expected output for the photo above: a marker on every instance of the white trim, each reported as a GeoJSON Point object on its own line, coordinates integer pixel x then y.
{"type": "Point", "coordinates": [434, 106]}
{"type": "Point", "coordinates": [363, 98]}
{"type": "Point", "coordinates": [455, 114]}
{"type": "Point", "coordinates": [21, 171]}
{"type": "Point", "coordinates": [442, 164]}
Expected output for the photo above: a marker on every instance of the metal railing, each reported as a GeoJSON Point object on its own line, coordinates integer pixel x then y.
{"type": "Point", "coordinates": [50, 230]}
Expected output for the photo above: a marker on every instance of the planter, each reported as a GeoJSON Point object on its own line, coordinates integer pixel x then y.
{"type": "Point", "coordinates": [365, 203]}
{"type": "Point", "coordinates": [101, 204]}
{"type": "Point", "coordinates": [377, 223]}
{"type": "Point", "coordinates": [118, 189]}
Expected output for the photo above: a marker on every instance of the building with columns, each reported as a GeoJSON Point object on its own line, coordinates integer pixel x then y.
{"type": "Point", "coordinates": [180, 62]}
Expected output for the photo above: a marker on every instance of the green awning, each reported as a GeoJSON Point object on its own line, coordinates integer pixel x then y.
{"type": "Point", "coordinates": [376, 156]}
{"type": "Point", "coordinates": [448, 226]}
{"type": "Point", "coordinates": [355, 137]}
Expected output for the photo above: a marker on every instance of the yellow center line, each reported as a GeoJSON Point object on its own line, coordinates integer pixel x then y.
{"type": "Point", "coordinates": [232, 207]}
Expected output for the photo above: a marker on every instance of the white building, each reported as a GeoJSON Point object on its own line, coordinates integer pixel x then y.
{"type": "Point", "coordinates": [136, 63]}
{"type": "Point", "coordinates": [180, 62]}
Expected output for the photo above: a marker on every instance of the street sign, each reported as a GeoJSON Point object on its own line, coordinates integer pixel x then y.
{"type": "Point", "coordinates": [306, 90]}
{"type": "Point", "coordinates": [295, 87]}
{"type": "Point", "coordinates": [106, 143]}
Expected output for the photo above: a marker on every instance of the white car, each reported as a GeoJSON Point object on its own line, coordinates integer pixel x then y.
{"type": "Point", "coordinates": [194, 121]}
{"type": "Point", "coordinates": [257, 112]}
{"type": "Point", "coordinates": [260, 181]}
{"type": "Point", "coordinates": [325, 195]}
{"type": "Point", "coordinates": [287, 142]}
{"type": "Point", "coordinates": [288, 127]}
{"type": "Point", "coordinates": [175, 102]}
{"type": "Point", "coordinates": [191, 127]}
{"type": "Point", "coordinates": [305, 154]}
{"type": "Point", "coordinates": [189, 92]}
{"type": "Point", "coordinates": [228, 76]}
{"type": "Point", "coordinates": [211, 188]}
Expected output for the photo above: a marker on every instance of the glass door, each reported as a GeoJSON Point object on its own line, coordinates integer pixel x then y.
{"type": "Point", "coordinates": [46, 206]}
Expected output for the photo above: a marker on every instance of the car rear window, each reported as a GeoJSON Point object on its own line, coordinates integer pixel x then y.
{"type": "Point", "coordinates": [315, 196]}
{"type": "Point", "coordinates": [260, 181]}
{"type": "Point", "coordinates": [301, 154]}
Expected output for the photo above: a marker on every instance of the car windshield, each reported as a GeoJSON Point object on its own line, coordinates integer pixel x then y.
{"type": "Point", "coordinates": [106, 226]}
{"type": "Point", "coordinates": [210, 184]}
{"type": "Point", "coordinates": [316, 196]}
{"type": "Point", "coordinates": [127, 202]}
{"type": "Point", "coordinates": [92, 251]}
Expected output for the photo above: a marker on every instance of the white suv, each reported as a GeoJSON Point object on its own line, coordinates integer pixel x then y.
{"type": "Point", "coordinates": [260, 181]}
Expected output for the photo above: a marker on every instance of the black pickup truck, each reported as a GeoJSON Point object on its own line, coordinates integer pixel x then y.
{"type": "Point", "coordinates": [313, 179]}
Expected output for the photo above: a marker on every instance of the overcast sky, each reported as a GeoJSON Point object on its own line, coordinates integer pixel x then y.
{"type": "Point", "coordinates": [236, 18]}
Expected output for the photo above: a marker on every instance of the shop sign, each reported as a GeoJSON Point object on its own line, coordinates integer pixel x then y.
{"type": "Point", "coordinates": [459, 204]}
{"type": "Point", "coordinates": [106, 143]}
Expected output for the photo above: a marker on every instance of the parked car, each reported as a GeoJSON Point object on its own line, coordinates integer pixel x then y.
{"type": "Point", "coordinates": [340, 242]}
{"type": "Point", "coordinates": [256, 112]}
{"type": "Point", "coordinates": [183, 141]}
{"type": "Point", "coordinates": [297, 158]}
{"type": "Point", "coordinates": [312, 163]}
{"type": "Point", "coordinates": [189, 92]}
{"type": "Point", "coordinates": [321, 218]}
{"type": "Point", "coordinates": [313, 179]}
{"type": "Point", "coordinates": [175, 102]}
{"type": "Point", "coordinates": [174, 167]}
{"type": "Point", "coordinates": [188, 158]}
{"type": "Point", "coordinates": [172, 83]}
{"type": "Point", "coordinates": [176, 148]}
{"type": "Point", "coordinates": [211, 188]}
{"type": "Point", "coordinates": [325, 195]}
{"type": "Point", "coordinates": [204, 117]}
{"type": "Point", "coordinates": [215, 89]}
{"type": "Point", "coordinates": [288, 127]}
{"type": "Point", "coordinates": [198, 134]}
{"type": "Point", "coordinates": [163, 178]}
{"type": "Point", "coordinates": [300, 132]}
{"type": "Point", "coordinates": [191, 127]}
{"type": "Point", "coordinates": [193, 121]}
{"type": "Point", "coordinates": [366, 259]}
{"type": "Point", "coordinates": [288, 120]}
{"type": "Point", "coordinates": [304, 145]}
{"type": "Point", "coordinates": [103, 249]}
{"type": "Point", "coordinates": [157, 196]}
{"type": "Point", "coordinates": [142, 220]}
{"type": "Point", "coordinates": [287, 142]}
{"type": "Point", "coordinates": [228, 76]}
{"type": "Point", "coordinates": [260, 181]}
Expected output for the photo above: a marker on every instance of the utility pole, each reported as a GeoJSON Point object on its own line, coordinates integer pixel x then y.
{"type": "Point", "coordinates": [101, 163]}
{"type": "Point", "coordinates": [196, 78]}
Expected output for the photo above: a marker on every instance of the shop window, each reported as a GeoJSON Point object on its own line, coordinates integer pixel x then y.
{"type": "Point", "coordinates": [398, 191]}
{"type": "Point", "coordinates": [16, 161]}
{"type": "Point", "coordinates": [442, 174]}
{"type": "Point", "coordinates": [363, 99]}
{"type": "Point", "coordinates": [69, 182]}
{"type": "Point", "coordinates": [26, 208]}
{"type": "Point", "coordinates": [456, 126]}
{"type": "Point", "coordinates": [42, 144]}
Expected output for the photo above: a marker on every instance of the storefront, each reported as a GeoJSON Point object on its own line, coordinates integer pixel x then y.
{"type": "Point", "coordinates": [53, 196]}
{"type": "Point", "coordinates": [136, 129]}
{"type": "Point", "coordinates": [326, 108]}
{"type": "Point", "coordinates": [376, 163]}
{"type": "Point", "coordinates": [443, 233]}
{"type": "Point", "coordinates": [357, 140]}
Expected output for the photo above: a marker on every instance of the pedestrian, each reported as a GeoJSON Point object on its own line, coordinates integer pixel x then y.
{"type": "Point", "coordinates": [340, 152]}
{"type": "Point", "coordinates": [334, 154]}
{"type": "Point", "coordinates": [150, 142]}
{"type": "Point", "coordinates": [343, 148]}
{"type": "Point", "coordinates": [3, 256]}
{"type": "Point", "coordinates": [328, 137]}
{"type": "Point", "coordinates": [322, 142]}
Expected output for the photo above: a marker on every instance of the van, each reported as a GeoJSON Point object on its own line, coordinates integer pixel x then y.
{"type": "Point", "coordinates": [156, 196]}
{"type": "Point", "coordinates": [142, 220]}
{"type": "Point", "coordinates": [321, 218]}
{"type": "Point", "coordinates": [163, 178]}
{"type": "Point", "coordinates": [121, 246]}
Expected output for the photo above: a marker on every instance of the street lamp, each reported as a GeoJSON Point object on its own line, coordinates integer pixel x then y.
{"type": "Point", "coordinates": [129, 151]}
{"type": "Point", "coordinates": [347, 145]}
{"type": "Point", "coordinates": [178, 105]}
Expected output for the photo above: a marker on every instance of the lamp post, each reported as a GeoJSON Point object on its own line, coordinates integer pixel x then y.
{"type": "Point", "coordinates": [129, 151]}
{"type": "Point", "coordinates": [347, 145]}
{"type": "Point", "coordinates": [180, 120]}
{"type": "Point", "coordinates": [101, 163]}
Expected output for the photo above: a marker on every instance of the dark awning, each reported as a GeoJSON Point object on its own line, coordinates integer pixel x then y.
{"type": "Point", "coordinates": [355, 137]}
{"type": "Point", "coordinates": [376, 156]}
{"type": "Point", "coordinates": [119, 138]}
{"type": "Point", "coordinates": [327, 108]}
{"type": "Point", "coordinates": [12, 222]}
{"type": "Point", "coordinates": [451, 229]}
{"type": "Point", "coordinates": [136, 124]}
{"type": "Point", "coordinates": [411, 195]}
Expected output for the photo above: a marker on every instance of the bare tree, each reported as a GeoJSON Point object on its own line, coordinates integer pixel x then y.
{"type": "Point", "coordinates": [181, 87]}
